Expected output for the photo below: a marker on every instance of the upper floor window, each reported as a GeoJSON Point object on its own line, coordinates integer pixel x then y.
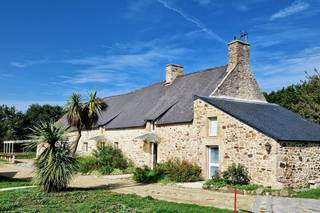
{"type": "Point", "coordinates": [213, 126]}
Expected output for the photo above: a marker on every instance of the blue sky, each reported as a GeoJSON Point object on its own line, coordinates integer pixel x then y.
{"type": "Point", "coordinates": [49, 49]}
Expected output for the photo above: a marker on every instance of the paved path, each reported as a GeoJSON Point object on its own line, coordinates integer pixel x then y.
{"type": "Point", "coordinates": [271, 204]}
{"type": "Point", "coordinates": [186, 195]}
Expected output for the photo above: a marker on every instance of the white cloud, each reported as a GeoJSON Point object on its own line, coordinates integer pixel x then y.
{"type": "Point", "coordinates": [285, 69]}
{"type": "Point", "coordinates": [295, 7]}
{"type": "Point", "coordinates": [27, 63]}
{"type": "Point", "coordinates": [193, 20]}
{"type": "Point", "coordinates": [115, 68]}
{"type": "Point", "coordinates": [203, 2]}
{"type": "Point", "coordinates": [242, 7]}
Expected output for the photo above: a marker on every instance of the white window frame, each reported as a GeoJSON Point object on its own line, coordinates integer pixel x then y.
{"type": "Point", "coordinates": [212, 120]}
{"type": "Point", "coordinates": [116, 145]}
{"type": "Point", "coordinates": [85, 146]}
{"type": "Point", "coordinates": [209, 159]}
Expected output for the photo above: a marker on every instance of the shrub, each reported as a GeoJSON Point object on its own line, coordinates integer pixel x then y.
{"type": "Point", "coordinates": [180, 171]}
{"type": "Point", "coordinates": [55, 166]}
{"type": "Point", "coordinates": [117, 172]}
{"type": "Point", "coordinates": [87, 164]}
{"type": "Point", "coordinates": [108, 156]}
{"type": "Point", "coordinates": [105, 170]}
{"type": "Point", "coordinates": [147, 175]}
{"type": "Point", "coordinates": [236, 174]}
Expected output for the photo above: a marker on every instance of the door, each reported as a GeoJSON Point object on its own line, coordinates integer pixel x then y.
{"type": "Point", "coordinates": [154, 152]}
{"type": "Point", "coordinates": [213, 160]}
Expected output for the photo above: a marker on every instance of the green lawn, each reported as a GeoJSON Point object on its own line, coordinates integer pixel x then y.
{"type": "Point", "coordinates": [11, 182]}
{"type": "Point", "coordinates": [3, 161]}
{"type": "Point", "coordinates": [310, 193]}
{"type": "Point", "coordinates": [95, 200]}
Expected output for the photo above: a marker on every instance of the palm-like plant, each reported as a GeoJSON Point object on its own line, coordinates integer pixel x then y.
{"type": "Point", "coordinates": [54, 166]}
{"type": "Point", "coordinates": [83, 115]}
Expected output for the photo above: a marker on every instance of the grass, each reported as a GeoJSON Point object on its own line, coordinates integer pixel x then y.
{"type": "Point", "coordinates": [219, 183]}
{"type": "Point", "coordinates": [12, 182]}
{"type": "Point", "coordinates": [26, 155]}
{"type": "Point", "coordinates": [3, 161]}
{"type": "Point", "coordinates": [95, 200]}
{"type": "Point", "coordinates": [309, 193]}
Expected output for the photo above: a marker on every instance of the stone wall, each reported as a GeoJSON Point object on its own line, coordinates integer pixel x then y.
{"type": "Point", "coordinates": [238, 143]}
{"type": "Point", "coordinates": [299, 162]}
{"type": "Point", "coordinates": [240, 83]}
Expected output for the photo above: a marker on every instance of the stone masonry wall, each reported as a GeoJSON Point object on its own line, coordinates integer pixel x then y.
{"type": "Point", "coordinates": [238, 143]}
{"type": "Point", "coordinates": [240, 84]}
{"type": "Point", "coordinates": [299, 162]}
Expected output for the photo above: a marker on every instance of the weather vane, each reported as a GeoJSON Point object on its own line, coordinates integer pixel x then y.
{"type": "Point", "coordinates": [243, 36]}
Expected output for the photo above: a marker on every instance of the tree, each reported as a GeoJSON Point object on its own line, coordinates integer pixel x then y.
{"type": "Point", "coordinates": [11, 123]}
{"type": "Point", "coordinates": [36, 114]}
{"type": "Point", "coordinates": [55, 165]}
{"type": "Point", "coordinates": [83, 115]}
{"type": "Point", "coordinates": [302, 98]}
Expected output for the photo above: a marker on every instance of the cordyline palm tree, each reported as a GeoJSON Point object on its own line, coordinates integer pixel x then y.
{"type": "Point", "coordinates": [55, 165]}
{"type": "Point", "coordinates": [83, 115]}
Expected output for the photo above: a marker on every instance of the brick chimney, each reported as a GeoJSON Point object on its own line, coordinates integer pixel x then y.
{"type": "Point", "coordinates": [238, 53]}
{"type": "Point", "coordinates": [172, 72]}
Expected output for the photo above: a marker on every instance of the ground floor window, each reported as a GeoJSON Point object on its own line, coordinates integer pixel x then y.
{"type": "Point", "coordinates": [116, 145]}
{"type": "Point", "coordinates": [213, 159]}
{"type": "Point", "coordinates": [85, 147]}
{"type": "Point", "coordinates": [154, 154]}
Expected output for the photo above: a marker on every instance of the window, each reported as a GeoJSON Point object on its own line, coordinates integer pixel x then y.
{"type": "Point", "coordinates": [213, 160]}
{"type": "Point", "coordinates": [85, 147]}
{"type": "Point", "coordinates": [116, 145]}
{"type": "Point", "coordinates": [213, 126]}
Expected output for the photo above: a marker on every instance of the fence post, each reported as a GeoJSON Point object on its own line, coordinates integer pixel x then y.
{"type": "Point", "coordinates": [235, 200]}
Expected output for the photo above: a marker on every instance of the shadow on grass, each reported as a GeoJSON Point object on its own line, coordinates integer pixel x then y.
{"type": "Point", "coordinates": [106, 186]}
{"type": "Point", "coordinates": [9, 176]}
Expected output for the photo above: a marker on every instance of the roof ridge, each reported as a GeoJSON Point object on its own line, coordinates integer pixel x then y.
{"type": "Point", "coordinates": [203, 70]}
{"type": "Point", "coordinates": [160, 82]}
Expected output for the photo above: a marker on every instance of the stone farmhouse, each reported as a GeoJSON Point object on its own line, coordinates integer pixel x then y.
{"type": "Point", "coordinates": [212, 117]}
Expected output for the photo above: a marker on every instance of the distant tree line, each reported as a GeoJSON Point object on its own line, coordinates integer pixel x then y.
{"type": "Point", "coordinates": [302, 98]}
{"type": "Point", "coordinates": [16, 125]}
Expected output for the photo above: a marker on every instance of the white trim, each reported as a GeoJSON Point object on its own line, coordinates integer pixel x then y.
{"type": "Point", "coordinates": [209, 158]}
{"type": "Point", "coordinates": [213, 126]}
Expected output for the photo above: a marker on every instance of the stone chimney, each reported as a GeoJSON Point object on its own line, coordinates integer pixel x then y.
{"type": "Point", "coordinates": [238, 53]}
{"type": "Point", "coordinates": [172, 72]}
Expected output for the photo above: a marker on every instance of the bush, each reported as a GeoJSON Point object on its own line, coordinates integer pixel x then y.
{"type": "Point", "coordinates": [108, 156]}
{"type": "Point", "coordinates": [105, 170]}
{"type": "Point", "coordinates": [172, 170]}
{"type": "Point", "coordinates": [236, 174]}
{"type": "Point", "coordinates": [180, 171]}
{"type": "Point", "coordinates": [147, 175]}
{"type": "Point", "coordinates": [87, 164]}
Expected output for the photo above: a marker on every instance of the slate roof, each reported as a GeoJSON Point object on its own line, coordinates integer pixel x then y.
{"type": "Point", "coordinates": [166, 104]}
{"type": "Point", "coordinates": [271, 119]}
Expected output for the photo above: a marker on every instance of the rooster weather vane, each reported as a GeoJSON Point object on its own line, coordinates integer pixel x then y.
{"type": "Point", "coordinates": [243, 36]}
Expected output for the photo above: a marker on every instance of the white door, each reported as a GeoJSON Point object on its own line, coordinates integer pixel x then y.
{"type": "Point", "coordinates": [213, 161]}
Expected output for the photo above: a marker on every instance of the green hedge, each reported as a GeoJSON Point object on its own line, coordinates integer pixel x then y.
{"type": "Point", "coordinates": [174, 170]}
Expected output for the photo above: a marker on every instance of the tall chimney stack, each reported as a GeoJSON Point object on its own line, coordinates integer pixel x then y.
{"type": "Point", "coordinates": [172, 72]}
{"type": "Point", "coordinates": [238, 53]}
